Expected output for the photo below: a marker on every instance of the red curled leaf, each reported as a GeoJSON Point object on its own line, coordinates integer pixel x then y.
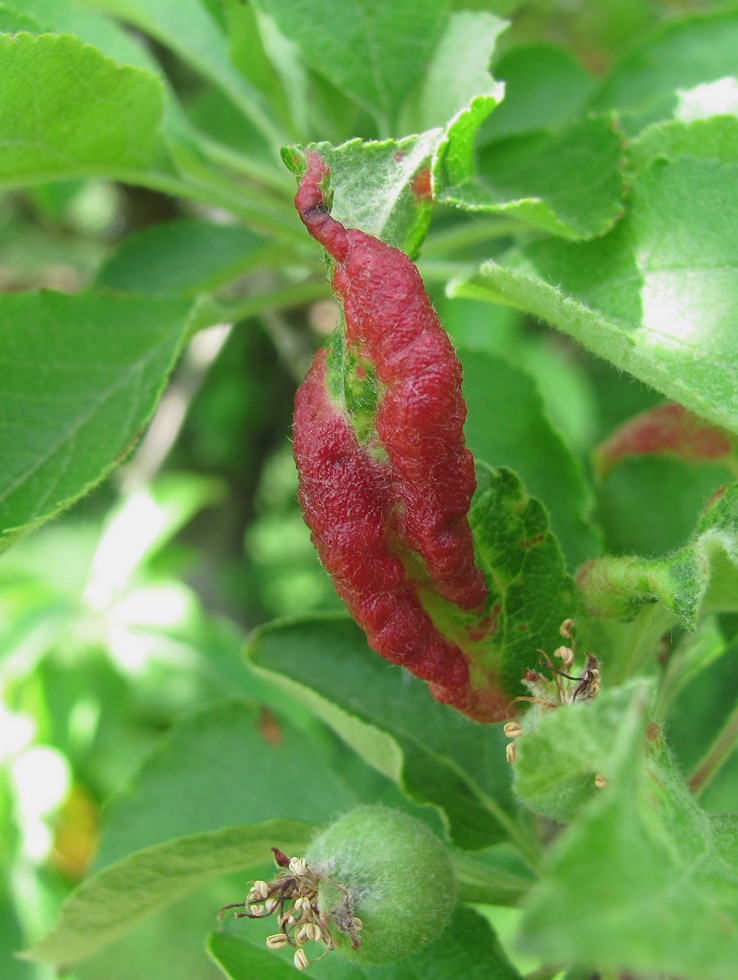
{"type": "Point", "coordinates": [343, 494]}
{"type": "Point", "coordinates": [387, 504]}
{"type": "Point", "coordinates": [420, 418]}
{"type": "Point", "coordinates": [667, 430]}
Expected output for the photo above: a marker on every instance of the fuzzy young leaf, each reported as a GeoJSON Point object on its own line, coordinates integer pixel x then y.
{"type": "Point", "coordinates": [643, 882]}
{"type": "Point", "coordinates": [530, 591]}
{"type": "Point", "coordinates": [655, 296]}
{"type": "Point", "coordinates": [81, 377]}
{"type": "Point", "coordinates": [381, 188]}
{"type": "Point", "coordinates": [618, 587]}
{"type": "Point", "coordinates": [561, 752]}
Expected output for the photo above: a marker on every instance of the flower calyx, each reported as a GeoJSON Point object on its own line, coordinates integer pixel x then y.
{"type": "Point", "coordinates": [563, 687]}
{"type": "Point", "coordinates": [292, 895]}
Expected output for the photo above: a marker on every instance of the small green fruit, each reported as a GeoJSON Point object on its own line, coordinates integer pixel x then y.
{"type": "Point", "coordinates": [392, 873]}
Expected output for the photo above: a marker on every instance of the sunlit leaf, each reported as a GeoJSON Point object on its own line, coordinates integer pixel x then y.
{"type": "Point", "coordinates": [655, 296]}
{"type": "Point", "coordinates": [66, 111]}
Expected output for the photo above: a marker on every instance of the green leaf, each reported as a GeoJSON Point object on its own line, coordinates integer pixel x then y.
{"type": "Point", "coordinates": [242, 957]}
{"type": "Point", "coordinates": [529, 177]}
{"type": "Point", "coordinates": [678, 55]}
{"type": "Point", "coordinates": [73, 17]}
{"type": "Point", "coordinates": [561, 751]}
{"type": "Point", "coordinates": [112, 902]}
{"type": "Point", "coordinates": [218, 768]}
{"type": "Point", "coordinates": [701, 576]}
{"type": "Point", "coordinates": [625, 503]}
{"type": "Point", "coordinates": [459, 70]}
{"type": "Point", "coordinates": [81, 377]}
{"type": "Point", "coordinates": [468, 948]}
{"type": "Point", "coordinates": [195, 36]}
{"type": "Point", "coordinates": [643, 882]}
{"type": "Point", "coordinates": [376, 52]}
{"type": "Point", "coordinates": [68, 111]}
{"type": "Point", "coordinates": [495, 876]}
{"type": "Point", "coordinates": [655, 296]}
{"type": "Point", "coordinates": [169, 943]}
{"type": "Point", "coordinates": [379, 187]}
{"type": "Point", "coordinates": [530, 591]}
{"type": "Point", "coordinates": [551, 473]}
{"type": "Point", "coordinates": [389, 718]}
{"type": "Point", "coordinates": [13, 20]}
{"type": "Point", "coordinates": [182, 258]}
{"type": "Point", "coordinates": [530, 106]}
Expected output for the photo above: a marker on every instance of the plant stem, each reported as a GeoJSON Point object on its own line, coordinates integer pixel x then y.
{"type": "Point", "coordinates": [248, 167]}
{"type": "Point", "coordinates": [442, 272]}
{"type": "Point", "coordinates": [469, 233]}
{"type": "Point", "coordinates": [263, 212]}
{"type": "Point", "coordinates": [716, 755]}
{"type": "Point", "coordinates": [278, 299]}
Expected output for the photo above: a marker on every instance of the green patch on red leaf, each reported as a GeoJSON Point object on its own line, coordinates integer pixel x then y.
{"type": "Point", "coordinates": [530, 592]}
{"type": "Point", "coordinates": [352, 386]}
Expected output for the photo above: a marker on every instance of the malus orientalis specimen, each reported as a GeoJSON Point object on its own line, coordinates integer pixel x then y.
{"type": "Point", "coordinates": [385, 481]}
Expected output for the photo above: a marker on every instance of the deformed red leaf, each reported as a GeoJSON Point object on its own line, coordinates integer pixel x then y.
{"type": "Point", "coordinates": [667, 430]}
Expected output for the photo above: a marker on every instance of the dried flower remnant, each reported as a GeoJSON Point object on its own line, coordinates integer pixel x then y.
{"type": "Point", "coordinates": [293, 896]}
{"type": "Point", "coordinates": [561, 688]}
{"type": "Point", "coordinates": [375, 886]}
